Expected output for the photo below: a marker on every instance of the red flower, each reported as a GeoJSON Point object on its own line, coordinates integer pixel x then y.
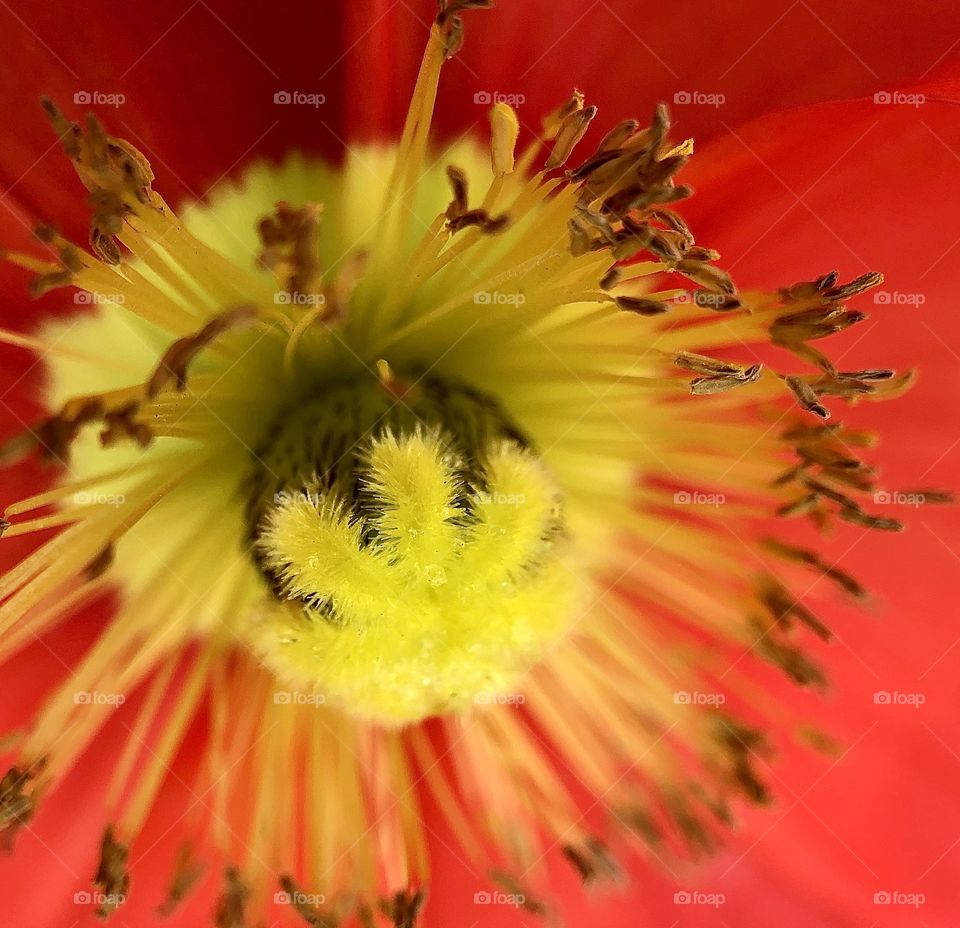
{"type": "Point", "coordinates": [788, 184]}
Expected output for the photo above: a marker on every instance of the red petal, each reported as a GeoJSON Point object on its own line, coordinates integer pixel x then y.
{"type": "Point", "coordinates": [198, 84]}
{"type": "Point", "coordinates": [867, 186]}
{"type": "Point", "coordinates": [627, 56]}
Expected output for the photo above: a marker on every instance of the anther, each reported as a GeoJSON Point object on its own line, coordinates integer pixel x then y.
{"type": "Point", "coordinates": [177, 358]}
{"type": "Point", "coordinates": [112, 878]}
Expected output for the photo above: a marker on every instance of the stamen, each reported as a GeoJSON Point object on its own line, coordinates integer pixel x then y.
{"type": "Point", "coordinates": [231, 908]}
{"type": "Point", "coordinates": [290, 244]}
{"type": "Point", "coordinates": [178, 357]}
{"type": "Point", "coordinates": [112, 878]}
{"type": "Point", "coordinates": [504, 130]}
{"type": "Point", "coordinates": [18, 800]}
{"type": "Point", "coordinates": [186, 875]}
{"type": "Point", "coordinates": [806, 396]}
{"type": "Point", "coordinates": [572, 129]}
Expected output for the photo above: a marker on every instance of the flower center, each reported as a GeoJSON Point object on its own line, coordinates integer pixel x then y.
{"type": "Point", "coordinates": [413, 541]}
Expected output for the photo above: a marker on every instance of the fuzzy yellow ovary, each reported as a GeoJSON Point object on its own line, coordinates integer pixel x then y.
{"type": "Point", "coordinates": [438, 612]}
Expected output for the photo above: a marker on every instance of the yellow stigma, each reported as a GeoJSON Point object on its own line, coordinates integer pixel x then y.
{"type": "Point", "coordinates": [416, 548]}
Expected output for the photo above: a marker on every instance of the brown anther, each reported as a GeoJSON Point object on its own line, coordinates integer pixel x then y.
{"type": "Point", "coordinates": [847, 389]}
{"type": "Point", "coordinates": [448, 8]}
{"type": "Point", "coordinates": [581, 242]}
{"type": "Point", "coordinates": [824, 489]}
{"type": "Point", "coordinates": [112, 878]}
{"type": "Point", "coordinates": [828, 457]}
{"type": "Point", "coordinates": [689, 825]}
{"type": "Point", "coordinates": [667, 245]}
{"type": "Point", "coordinates": [742, 745]}
{"type": "Point", "coordinates": [713, 278]}
{"type": "Point", "coordinates": [460, 202]}
{"type": "Point", "coordinates": [186, 875]}
{"type": "Point", "coordinates": [525, 900]}
{"type": "Point", "coordinates": [553, 121]}
{"type": "Point", "coordinates": [572, 129]}
{"type": "Point", "coordinates": [290, 238]}
{"type": "Point", "coordinates": [593, 164]}
{"type": "Point", "coordinates": [702, 364]}
{"type": "Point", "coordinates": [705, 386]}
{"type": "Point", "coordinates": [867, 375]}
{"type": "Point", "coordinates": [177, 358]}
{"type": "Point", "coordinates": [791, 660]}
{"type": "Point", "coordinates": [592, 861]}
{"type": "Point", "coordinates": [642, 307]}
{"type": "Point", "coordinates": [819, 741]}
{"type": "Point", "coordinates": [122, 423]}
{"type": "Point", "coordinates": [806, 396]}
{"type": "Point", "coordinates": [675, 222]}
{"type": "Point", "coordinates": [481, 219]}
{"type": "Point", "coordinates": [100, 564]}
{"type": "Point", "coordinates": [599, 222]}
{"type": "Point", "coordinates": [856, 516]}
{"type": "Point", "coordinates": [857, 285]}
{"type": "Point", "coordinates": [453, 36]}
{"type": "Point", "coordinates": [808, 289]}
{"type": "Point", "coordinates": [403, 907]}
{"type": "Point", "coordinates": [611, 278]}
{"type": "Point", "coordinates": [232, 904]}
{"type": "Point", "coordinates": [659, 127]}
{"type": "Point", "coordinates": [931, 497]}
{"type": "Point", "coordinates": [298, 900]}
{"type": "Point", "coordinates": [55, 435]}
{"type": "Point", "coordinates": [18, 801]}
{"type": "Point", "coordinates": [618, 135]}
{"type": "Point", "coordinates": [641, 823]}
{"type": "Point", "coordinates": [448, 19]}
{"type": "Point", "coordinates": [117, 175]}
{"type": "Point", "coordinates": [698, 253]}
{"type": "Point", "coordinates": [813, 560]}
{"type": "Point", "coordinates": [799, 507]}
{"type": "Point", "coordinates": [782, 605]}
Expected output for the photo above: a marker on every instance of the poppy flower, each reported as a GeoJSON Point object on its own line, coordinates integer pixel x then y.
{"type": "Point", "coordinates": [420, 502]}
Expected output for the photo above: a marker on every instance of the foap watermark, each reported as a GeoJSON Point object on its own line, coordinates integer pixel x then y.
{"type": "Point", "coordinates": [498, 298]}
{"type": "Point", "coordinates": [897, 498]}
{"type": "Point", "coordinates": [297, 698]}
{"type": "Point", "coordinates": [91, 498]}
{"type": "Point", "coordinates": [283, 497]}
{"type": "Point", "coordinates": [898, 98]}
{"type": "Point", "coordinates": [107, 901]}
{"type": "Point", "coordinates": [297, 898]}
{"type": "Point", "coordinates": [98, 98]}
{"type": "Point", "coordinates": [896, 698]}
{"type": "Point", "coordinates": [86, 298]}
{"type": "Point", "coordinates": [96, 698]}
{"type": "Point", "coordinates": [686, 698]}
{"type": "Point", "coordinates": [499, 699]}
{"type": "Point", "coordinates": [693, 897]}
{"type": "Point", "coordinates": [296, 298]}
{"type": "Point", "coordinates": [699, 98]}
{"type": "Point", "coordinates": [703, 299]}
{"type": "Point", "coordinates": [696, 498]}
{"type": "Point", "coordinates": [898, 298]}
{"type": "Point", "coordinates": [299, 98]}
{"type": "Point", "coordinates": [488, 97]}
{"type": "Point", "coordinates": [898, 898]}
{"type": "Point", "coordinates": [516, 900]}
{"type": "Point", "coordinates": [501, 499]}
